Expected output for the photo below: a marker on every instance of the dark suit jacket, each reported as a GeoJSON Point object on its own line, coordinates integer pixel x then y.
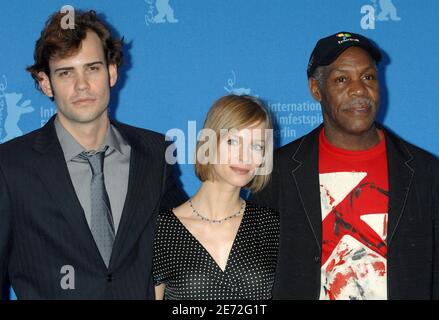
{"type": "Point", "coordinates": [43, 226]}
{"type": "Point", "coordinates": [413, 238]}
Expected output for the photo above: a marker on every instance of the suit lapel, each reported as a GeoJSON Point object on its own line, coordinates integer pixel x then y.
{"type": "Point", "coordinates": [305, 168]}
{"type": "Point", "coordinates": [142, 198]}
{"type": "Point", "coordinates": [305, 165]}
{"type": "Point", "coordinates": [400, 178]}
{"type": "Point", "coordinates": [53, 172]}
{"type": "Point", "coordinates": [305, 171]}
{"type": "Point", "coordinates": [52, 169]}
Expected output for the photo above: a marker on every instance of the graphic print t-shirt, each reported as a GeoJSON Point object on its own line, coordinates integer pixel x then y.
{"type": "Point", "coordinates": [354, 201]}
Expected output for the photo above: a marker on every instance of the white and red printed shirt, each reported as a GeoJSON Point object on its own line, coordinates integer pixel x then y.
{"type": "Point", "coordinates": [354, 201]}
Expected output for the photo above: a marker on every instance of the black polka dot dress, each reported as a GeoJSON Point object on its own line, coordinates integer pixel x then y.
{"type": "Point", "coordinates": [189, 271]}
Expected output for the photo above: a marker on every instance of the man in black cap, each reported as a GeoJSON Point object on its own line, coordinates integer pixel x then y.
{"type": "Point", "coordinates": [358, 205]}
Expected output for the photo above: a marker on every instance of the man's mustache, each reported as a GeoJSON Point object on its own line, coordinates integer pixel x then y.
{"type": "Point", "coordinates": [358, 101]}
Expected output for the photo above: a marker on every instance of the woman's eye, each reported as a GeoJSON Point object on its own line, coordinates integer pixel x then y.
{"type": "Point", "coordinates": [257, 147]}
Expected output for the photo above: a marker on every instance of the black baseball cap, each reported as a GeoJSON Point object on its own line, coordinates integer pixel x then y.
{"type": "Point", "coordinates": [328, 49]}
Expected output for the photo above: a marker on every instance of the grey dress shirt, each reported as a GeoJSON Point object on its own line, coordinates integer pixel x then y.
{"type": "Point", "coordinates": [116, 169]}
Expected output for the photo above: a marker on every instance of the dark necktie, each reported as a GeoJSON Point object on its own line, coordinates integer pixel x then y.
{"type": "Point", "coordinates": [101, 222]}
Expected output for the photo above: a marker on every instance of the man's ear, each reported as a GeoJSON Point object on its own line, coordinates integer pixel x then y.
{"type": "Point", "coordinates": [112, 71]}
{"type": "Point", "coordinates": [314, 87]}
{"type": "Point", "coordinates": [44, 83]}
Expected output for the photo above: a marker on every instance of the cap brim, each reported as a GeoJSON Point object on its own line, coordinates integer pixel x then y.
{"type": "Point", "coordinates": [373, 52]}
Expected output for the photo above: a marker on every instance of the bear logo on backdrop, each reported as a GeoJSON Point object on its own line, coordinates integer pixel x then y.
{"type": "Point", "coordinates": [380, 10]}
{"type": "Point", "coordinates": [159, 11]}
{"type": "Point", "coordinates": [12, 108]}
{"type": "Point", "coordinates": [388, 10]}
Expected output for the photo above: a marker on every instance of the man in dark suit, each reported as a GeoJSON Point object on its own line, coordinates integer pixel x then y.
{"type": "Point", "coordinates": [78, 197]}
{"type": "Point", "coordinates": [358, 205]}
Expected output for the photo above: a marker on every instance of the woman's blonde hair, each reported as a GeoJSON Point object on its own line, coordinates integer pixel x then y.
{"type": "Point", "coordinates": [234, 112]}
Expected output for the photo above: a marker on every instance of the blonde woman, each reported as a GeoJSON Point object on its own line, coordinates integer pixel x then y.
{"type": "Point", "coordinates": [217, 245]}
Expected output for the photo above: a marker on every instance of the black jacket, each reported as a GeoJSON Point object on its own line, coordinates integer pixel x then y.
{"type": "Point", "coordinates": [413, 231]}
{"type": "Point", "coordinates": [43, 226]}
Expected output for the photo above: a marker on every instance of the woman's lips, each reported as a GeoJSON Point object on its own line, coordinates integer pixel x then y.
{"type": "Point", "coordinates": [239, 170]}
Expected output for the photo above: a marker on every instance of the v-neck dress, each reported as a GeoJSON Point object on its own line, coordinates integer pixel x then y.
{"type": "Point", "coordinates": [190, 272]}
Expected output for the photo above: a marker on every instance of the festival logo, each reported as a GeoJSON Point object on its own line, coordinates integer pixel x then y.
{"type": "Point", "coordinates": [380, 10]}
{"type": "Point", "coordinates": [159, 11]}
{"type": "Point", "coordinates": [232, 89]}
{"type": "Point", "coordinates": [12, 108]}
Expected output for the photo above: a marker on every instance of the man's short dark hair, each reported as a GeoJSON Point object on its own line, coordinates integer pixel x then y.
{"type": "Point", "coordinates": [58, 42]}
